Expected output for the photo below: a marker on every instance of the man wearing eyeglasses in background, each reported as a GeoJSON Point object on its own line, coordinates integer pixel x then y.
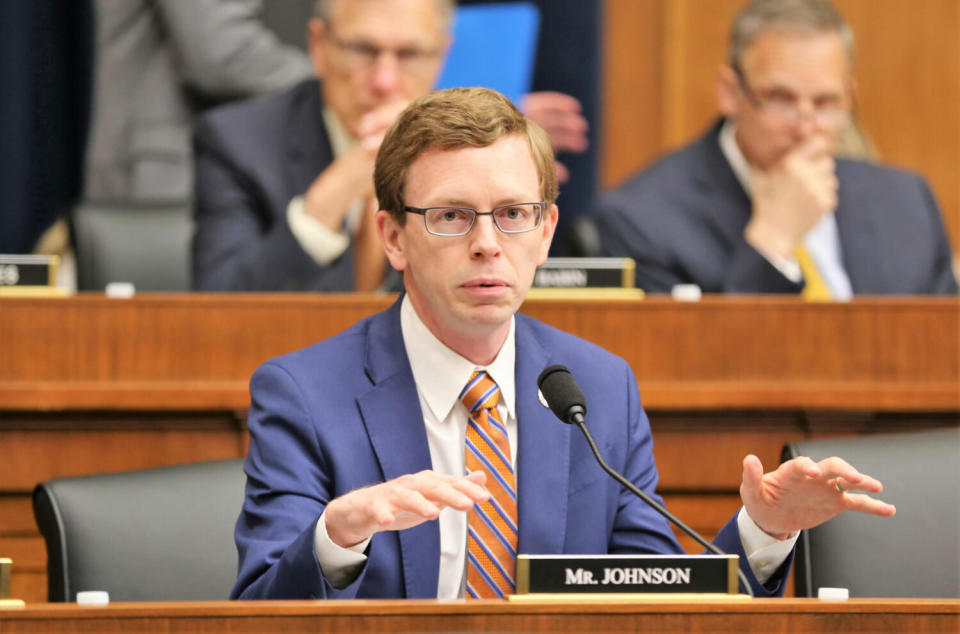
{"type": "Point", "coordinates": [760, 204]}
{"type": "Point", "coordinates": [284, 196]}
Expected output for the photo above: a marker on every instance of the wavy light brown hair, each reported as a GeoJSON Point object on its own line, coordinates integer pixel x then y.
{"type": "Point", "coordinates": [452, 119]}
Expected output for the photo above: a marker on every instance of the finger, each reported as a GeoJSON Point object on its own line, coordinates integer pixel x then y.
{"type": "Point", "coordinates": [566, 123]}
{"type": "Point", "coordinates": [460, 494]}
{"type": "Point", "coordinates": [866, 504]}
{"type": "Point", "coordinates": [379, 119]}
{"type": "Point", "coordinates": [447, 490]}
{"type": "Point", "coordinates": [548, 99]}
{"type": "Point", "coordinates": [476, 491]}
{"type": "Point", "coordinates": [804, 466]}
{"type": "Point", "coordinates": [860, 483]}
{"type": "Point", "coordinates": [835, 467]}
{"type": "Point", "coordinates": [412, 501]}
{"type": "Point", "coordinates": [752, 477]}
{"type": "Point", "coordinates": [477, 477]}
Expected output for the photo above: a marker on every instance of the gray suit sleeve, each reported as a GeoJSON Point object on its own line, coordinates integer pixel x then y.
{"type": "Point", "coordinates": [223, 50]}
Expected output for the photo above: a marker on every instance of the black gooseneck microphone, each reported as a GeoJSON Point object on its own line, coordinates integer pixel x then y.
{"type": "Point", "coordinates": [566, 400]}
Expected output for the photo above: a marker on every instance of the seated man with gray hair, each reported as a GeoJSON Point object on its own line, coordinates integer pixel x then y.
{"type": "Point", "coordinates": [760, 204]}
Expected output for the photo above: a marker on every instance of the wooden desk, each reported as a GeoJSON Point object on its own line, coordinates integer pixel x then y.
{"type": "Point", "coordinates": [760, 615]}
{"type": "Point", "coordinates": [197, 352]}
{"type": "Point", "coordinates": [90, 384]}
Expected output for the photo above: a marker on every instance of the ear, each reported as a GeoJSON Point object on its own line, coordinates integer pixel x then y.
{"type": "Point", "coordinates": [393, 239]}
{"type": "Point", "coordinates": [549, 225]}
{"type": "Point", "coordinates": [728, 92]}
{"type": "Point", "coordinates": [316, 39]}
{"type": "Point", "coordinates": [853, 88]}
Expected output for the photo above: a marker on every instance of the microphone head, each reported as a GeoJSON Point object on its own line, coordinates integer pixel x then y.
{"type": "Point", "coordinates": [562, 393]}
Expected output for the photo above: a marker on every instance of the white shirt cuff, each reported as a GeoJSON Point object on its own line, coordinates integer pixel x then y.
{"type": "Point", "coordinates": [339, 565]}
{"type": "Point", "coordinates": [764, 553]}
{"type": "Point", "coordinates": [319, 241]}
{"type": "Point", "coordinates": [788, 267]}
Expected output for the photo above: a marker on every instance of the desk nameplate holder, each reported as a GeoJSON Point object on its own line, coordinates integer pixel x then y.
{"type": "Point", "coordinates": [29, 276]}
{"type": "Point", "coordinates": [591, 578]}
{"type": "Point", "coordinates": [585, 278]}
{"type": "Point", "coordinates": [5, 601]}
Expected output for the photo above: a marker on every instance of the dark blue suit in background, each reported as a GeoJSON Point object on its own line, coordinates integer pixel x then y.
{"type": "Point", "coordinates": [682, 221]}
{"type": "Point", "coordinates": [252, 158]}
{"type": "Point", "coordinates": [344, 413]}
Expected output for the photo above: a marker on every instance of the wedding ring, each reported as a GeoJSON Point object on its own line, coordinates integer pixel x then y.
{"type": "Point", "coordinates": [836, 485]}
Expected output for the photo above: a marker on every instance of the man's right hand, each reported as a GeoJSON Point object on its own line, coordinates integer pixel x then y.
{"type": "Point", "coordinates": [350, 177]}
{"type": "Point", "coordinates": [791, 197]}
{"type": "Point", "coordinates": [400, 503]}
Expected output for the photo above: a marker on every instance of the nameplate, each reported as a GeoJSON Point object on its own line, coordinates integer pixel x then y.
{"type": "Point", "coordinates": [28, 270]}
{"type": "Point", "coordinates": [29, 275]}
{"type": "Point", "coordinates": [585, 273]}
{"type": "Point", "coordinates": [627, 574]}
{"type": "Point", "coordinates": [5, 566]}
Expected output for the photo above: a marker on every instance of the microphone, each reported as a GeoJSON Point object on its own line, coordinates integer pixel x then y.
{"type": "Point", "coordinates": [566, 400]}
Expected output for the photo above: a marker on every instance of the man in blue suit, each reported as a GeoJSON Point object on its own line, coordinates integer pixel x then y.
{"type": "Point", "coordinates": [356, 483]}
{"type": "Point", "coordinates": [759, 204]}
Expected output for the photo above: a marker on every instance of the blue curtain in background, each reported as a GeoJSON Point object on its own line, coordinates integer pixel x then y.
{"type": "Point", "coordinates": [45, 79]}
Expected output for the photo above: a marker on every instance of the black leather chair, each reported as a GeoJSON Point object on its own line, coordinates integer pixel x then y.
{"type": "Point", "coordinates": [916, 553]}
{"type": "Point", "coordinates": [161, 534]}
{"type": "Point", "coordinates": [145, 243]}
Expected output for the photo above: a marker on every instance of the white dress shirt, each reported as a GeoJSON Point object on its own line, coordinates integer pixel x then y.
{"type": "Point", "coordinates": [440, 375]}
{"type": "Point", "coordinates": [822, 241]}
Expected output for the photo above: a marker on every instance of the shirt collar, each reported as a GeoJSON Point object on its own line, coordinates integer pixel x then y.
{"type": "Point", "coordinates": [731, 151]}
{"type": "Point", "coordinates": [341, 141]}
{"type": "Point", "coordinates": [441, 373]}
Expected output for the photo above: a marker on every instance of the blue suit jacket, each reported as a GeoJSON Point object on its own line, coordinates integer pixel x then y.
{"type": "Point", "coordinates": [344, 413]}
{"type": "Point", "coordinates": [252, 158]}
{"type": "Point", "coordinates": [682, 221]}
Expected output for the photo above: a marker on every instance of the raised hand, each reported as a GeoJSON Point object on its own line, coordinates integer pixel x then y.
{"type": "Point", "coordinates": [790, 197]}
{"type": "Point", "coordinates": [400, 503]}
{"type": "Point", "coordinates": [558, 114]}
{"type": "Point", "coordinates": [802, 493]}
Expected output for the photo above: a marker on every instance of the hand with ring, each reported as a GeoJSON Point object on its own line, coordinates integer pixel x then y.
{"type": "Point", "coordinates": [802, 493]}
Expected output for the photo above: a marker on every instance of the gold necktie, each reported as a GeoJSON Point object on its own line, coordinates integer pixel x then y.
{"type": "Point", "coordinates": [814, 289]}
{"type": "Point", "coordinates": [492, 526]}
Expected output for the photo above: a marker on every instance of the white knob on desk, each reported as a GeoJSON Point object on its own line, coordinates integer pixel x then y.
{"type": "Point", "coordinates": [93, 597]}
{"type": "Point", "coordinates": [833, 594]}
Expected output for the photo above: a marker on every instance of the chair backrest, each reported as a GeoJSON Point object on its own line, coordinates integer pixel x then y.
{"type": "Point", "coordinates": [161, 534]}
{"type": "Point", "coordinates": [916, 553]}
{"type": "Point", "coordinates": [146, 243]}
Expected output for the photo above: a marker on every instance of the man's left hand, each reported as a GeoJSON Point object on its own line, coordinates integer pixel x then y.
{"type": "Point", "coordinates": [802, 494]}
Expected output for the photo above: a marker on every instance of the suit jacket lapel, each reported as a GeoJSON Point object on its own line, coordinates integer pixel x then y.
{"type": "Point", "coordinates": [543, 453]}
{"type": "Point", "coordinates": [305, 137]}
{"type": "Point", "coordinates": [394, 423]}
{"type": "Point", "coordinates": [724, 199]}
{"type": "Point", "coordinates": [857, 228]}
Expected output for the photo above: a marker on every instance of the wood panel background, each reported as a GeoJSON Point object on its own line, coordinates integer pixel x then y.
{"type": "Point", "coordinates": [661, 58]}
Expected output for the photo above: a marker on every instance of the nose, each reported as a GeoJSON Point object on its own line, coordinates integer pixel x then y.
{"type": "Point", "coordinates": [385, 74]}
{"type": "Point", "coordinates": [485, 238]}
{"type": "Point", "coordinates": [805, 121]}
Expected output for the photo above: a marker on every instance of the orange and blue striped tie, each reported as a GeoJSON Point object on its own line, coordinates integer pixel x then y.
{"type": "Point", "coordinates": [492, 526]}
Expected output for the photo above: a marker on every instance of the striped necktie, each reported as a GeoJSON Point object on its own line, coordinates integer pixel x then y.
{"type": "Point", "coordinates": [492, 526]}
{"type": "Point", "coordinates": [815, 289]}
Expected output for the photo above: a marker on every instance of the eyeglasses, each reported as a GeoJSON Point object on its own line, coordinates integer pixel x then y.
{"type": "Point", "coordinates": [828, 111]}
{"type": "Point", "coordinates": [450, 222]}
{"type": "Point", "coordinates": [360, 55]}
